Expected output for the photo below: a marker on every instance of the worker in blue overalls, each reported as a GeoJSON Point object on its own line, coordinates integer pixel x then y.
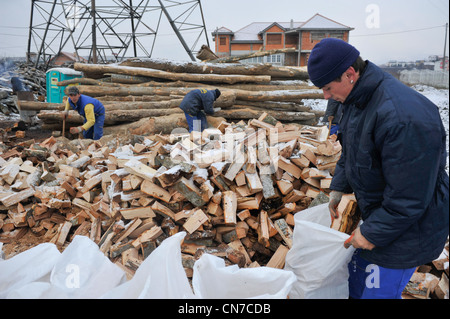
{"type": "Point", "coordinates": [195, 104]}
{"type": "Point", "coordinates": [334, 109]}
{"type": "Point", "coordinates": [92, 110]}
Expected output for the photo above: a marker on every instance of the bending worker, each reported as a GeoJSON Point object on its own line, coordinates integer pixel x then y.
{"type": "Point", "coordinates": [334, 109]}
{"type": "Point", "coordinates": [92, 110]}
{"type": "Point", "coordinates": [195, 103]}
{"type": "Point", "coordinates": [393, 160]}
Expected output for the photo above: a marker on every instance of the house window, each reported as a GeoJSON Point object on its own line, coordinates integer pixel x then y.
{"type": "Point", "coordinates": [222, 41]}
{"type": "Point", "coordinates": [258, 59]}
{"type": "Point", "coordinates": [336, 34]}
{"type": "Point", "coordinates": [317, 36]}
{"type": "Point", "coordinates": [273, 38]}
{"type": "Point", "coordinates": [291, 40]}
{"type": "Point", "coordinates": [274, 59]}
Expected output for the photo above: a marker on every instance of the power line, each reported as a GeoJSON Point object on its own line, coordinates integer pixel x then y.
{"type": "Point", "coordinates": [397, 32]}
{"type": "Point", "coordinates": [12, 27]}
{"type": "Point", "coordinates": [14, 35]}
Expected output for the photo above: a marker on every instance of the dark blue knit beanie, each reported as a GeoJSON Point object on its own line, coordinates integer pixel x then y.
{"type": "Point", "coordinates": [329, 59]}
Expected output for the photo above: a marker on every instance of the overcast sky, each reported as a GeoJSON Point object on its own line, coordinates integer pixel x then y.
{"type": "Point", "coordinates": [383, 30]}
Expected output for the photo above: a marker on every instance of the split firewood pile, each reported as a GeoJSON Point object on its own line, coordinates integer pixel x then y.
{"type": "Point", "coordinates": [152, 90]}
{"type": "Point", "coordinates": [234, 189]}
{"type": "Point", "coordinates": [430, 280]}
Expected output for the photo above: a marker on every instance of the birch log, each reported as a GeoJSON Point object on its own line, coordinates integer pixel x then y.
{"type": "Point", "coordinates": [190, 77]}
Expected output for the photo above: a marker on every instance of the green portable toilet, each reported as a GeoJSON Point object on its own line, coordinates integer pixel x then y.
{"type": "Point", "coordinates": [55, 93]}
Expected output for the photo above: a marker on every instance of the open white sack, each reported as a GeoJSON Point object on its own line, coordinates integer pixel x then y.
{"type": "Point", "coordinates": [29, 266]}
{"type": "Point", "coordinates": [318, 257]}
{"type": "Point", "coordinates": [81, 271]}
{"type": "Point", "coordinates": [161, 275]}
{"type": "Point", "coordinates": [213, 280]}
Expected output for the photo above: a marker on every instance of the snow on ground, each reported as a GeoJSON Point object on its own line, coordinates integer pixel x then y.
{"type": "Point", "coordinates": [440, 97]}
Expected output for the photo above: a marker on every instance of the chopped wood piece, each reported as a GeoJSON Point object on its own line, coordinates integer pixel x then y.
{"type": "Point", "coordinates": [155, 191]}
{"type": "Point", "coordinates": [263, 229]}
{"type": "Point", "coordinates": [147, 235]}
{"type": "Point", "coordinates": [278, 258]}
{"type": "Point", "coordinates": [138, 212]}
{"type": "Point", "coordinates": [63, 233]}
{"type": "Point", "coordinates": [17, 197]}
{"type": "Point", "coordinates": [190, 191]}
{"type": "Point", "coordinates": [285, 231]}
{"type": "Point", "coordinates": [229, 201]}
{"type": "Point", "coordinates": [165, 211]}
{"type": "Point", "coordinates": [348, 215]}
{"type": "Point", "coordinates": [195, 221]}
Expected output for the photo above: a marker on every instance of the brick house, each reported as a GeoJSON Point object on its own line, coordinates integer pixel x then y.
{"type": "Point", "coordinates": [65, 57]}
{"type": "Point", "coordinates": [302, 36]}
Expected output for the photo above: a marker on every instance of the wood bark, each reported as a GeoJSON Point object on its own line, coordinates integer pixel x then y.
{"type": "Point", "coordinates": [190, 77]}
{"type": "Point", "coordinates": [206, 54]}
{"type": "Point", "coordinates": [286, 95]}
{"type": "Point", "coordinates": [38, 106]}
{"type": "Point", "coordinates": [111, 117]}
{"type": "Point", "coordinates": [229, 59]}
{"type": "Point", "coordinates": [279, 72]}
{"type": "Point", "coordinates": [198, 67]}
{"type": "Point", "coordinates": [246, 113]}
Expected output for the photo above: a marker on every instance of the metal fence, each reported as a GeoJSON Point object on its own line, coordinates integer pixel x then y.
{"type": "Point", "coordinates": [438, 79]}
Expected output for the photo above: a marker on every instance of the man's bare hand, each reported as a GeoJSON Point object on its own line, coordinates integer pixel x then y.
{"type": "Point", "coordinates": [357, 240]}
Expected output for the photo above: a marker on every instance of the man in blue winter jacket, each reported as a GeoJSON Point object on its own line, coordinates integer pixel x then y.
{"type": "Point", "coordinates": [195, 104]}
{"type": "Point", "coordinates": [92, 111]}
{"type": "Point", "coordinates": [393, 159]}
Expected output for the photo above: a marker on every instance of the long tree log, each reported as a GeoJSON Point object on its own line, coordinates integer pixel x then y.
{"type": "Point", "coordinates": [280, 72]}
{"type": "Point", "coordinates": [283, 95]}
{"type": "Point", "coordinates": [38, 106]}
{"type": "Point", "coordinates": [190, 77]}
{"type": "Point", "coordinates": [86, 81]}
{"type": "Point", "coordinates": [227, 99]}
{"type": "Point", "coordinates": [236, 58]}
{"type": "Point", "coordinates": [242, 112]}
{"type": "Point", "coordinates": [146, 126]}
{"type": "Point", "coordinates": [198, 67]}
{"type": "Point", "coordinates": [271, 105]}
{"type": "Point", "coordinates": [123, 116]}
{"type": "Point", "coordinates": [111, 117]}
{"type": "Point", "coordinates": [133, 98]}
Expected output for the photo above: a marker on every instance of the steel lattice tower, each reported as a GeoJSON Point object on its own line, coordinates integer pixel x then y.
{"type": "Point", "coordinates": [105, 29]}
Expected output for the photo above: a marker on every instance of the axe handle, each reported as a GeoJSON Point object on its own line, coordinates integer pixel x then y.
{"type": "Point", "coordinates": [330, 119]}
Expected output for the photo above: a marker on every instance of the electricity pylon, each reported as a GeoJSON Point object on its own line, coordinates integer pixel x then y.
{"type": "Point", "coordinates": [105, 30]}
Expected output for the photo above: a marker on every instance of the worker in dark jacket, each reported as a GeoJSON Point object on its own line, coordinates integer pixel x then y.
{"type": "Point", "coordinates": [195, 104]}
{"type": "Point", "coordinates": [92, 111]}
{"type": "Point", "coordinates": [334, 109]}
{"type": "Point", "coordinates": [393, 160]}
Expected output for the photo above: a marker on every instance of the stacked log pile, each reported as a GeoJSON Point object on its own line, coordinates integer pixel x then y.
{"type": "Point", "coordinates": [233, 189]}
{"type": "Point", "coordinates": [29, 78]}
{"type": "Point", "coordinates": [136, 89]}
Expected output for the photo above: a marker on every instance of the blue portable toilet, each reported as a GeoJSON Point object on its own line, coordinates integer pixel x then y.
{"type": "Point", "coordinates": [55, 93]}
